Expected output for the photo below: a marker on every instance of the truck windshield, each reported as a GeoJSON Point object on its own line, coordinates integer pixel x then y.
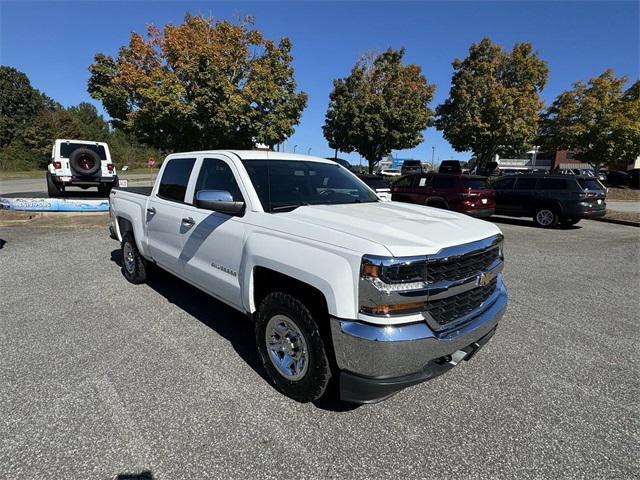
{"type": "Point", "coordinates": [283, 185]}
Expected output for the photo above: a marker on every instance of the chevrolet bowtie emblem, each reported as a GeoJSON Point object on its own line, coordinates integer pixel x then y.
{"type": "Point", "coordinates": [484, 279]}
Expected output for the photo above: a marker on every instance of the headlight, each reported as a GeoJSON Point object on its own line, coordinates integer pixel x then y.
{"type": "Point", "coordinates": [394, 274]}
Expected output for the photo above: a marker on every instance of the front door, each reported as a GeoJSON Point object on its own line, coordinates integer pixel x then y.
{"type": "Point", "coordinates": [212, 247]}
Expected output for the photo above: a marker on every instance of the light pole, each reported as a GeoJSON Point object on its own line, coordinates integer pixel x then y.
{"type": "Point", "coordinates": [433, 152]}
{"type": "Point", "coordinates": [309, 151]}
{"type": "Point", "coordinates": [294, 148]}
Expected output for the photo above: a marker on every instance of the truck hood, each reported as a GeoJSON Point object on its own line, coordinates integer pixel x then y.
{"type": "Point", "coordinates": [403, 229]}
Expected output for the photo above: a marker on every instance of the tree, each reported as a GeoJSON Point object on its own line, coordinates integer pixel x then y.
{"type": "Point", "coordinates": [94, 127]}
{"type": "Point", "coordinates": [494, 102]}
{"type": "Point", "coordinates": [201, 84]}
{"type": "Point", "coordinates": [597, 119]}
{"type": "Point", "coordinates": [381, 106]}
{"type": "Point", "coordinates": [19, 103]}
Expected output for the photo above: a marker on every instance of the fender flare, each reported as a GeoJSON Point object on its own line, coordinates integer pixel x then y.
{"type": "Point", "coordinates": [324, 268]}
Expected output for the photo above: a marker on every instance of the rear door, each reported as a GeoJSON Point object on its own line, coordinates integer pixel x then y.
{"type": "Point", "coordinates": [524, 195]}
{"type": "Point", "coordinates": [212, 246]}
{"type": "Point", "coordinates": [503, 189]}
{"type": "Point", "coordinates": [401, 190]}
{"type": "Point", "coordinates": [442, 187]}
{"type": "Point", "coordinates": [165, 215]}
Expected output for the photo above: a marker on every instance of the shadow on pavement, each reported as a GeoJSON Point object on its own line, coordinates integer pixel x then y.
{"type": "Point", "coordinates": [2, 243]}
{"type": "Point", "coordinates": [526, 222]}
{"type": "Point", "coordinates": [146, 475]}
{"type": "Point", "coordinates": [235, 327]}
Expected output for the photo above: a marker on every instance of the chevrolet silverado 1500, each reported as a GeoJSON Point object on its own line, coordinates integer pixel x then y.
{"type": "Point", "coordinates": [342, 287]}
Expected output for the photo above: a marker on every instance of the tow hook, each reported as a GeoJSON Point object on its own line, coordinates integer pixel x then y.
{"type": "Point", "coordinates": [466, 354]}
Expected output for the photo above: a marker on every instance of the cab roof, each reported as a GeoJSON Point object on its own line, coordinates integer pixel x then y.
{"type": "Point", "coordinates": [259, 155]}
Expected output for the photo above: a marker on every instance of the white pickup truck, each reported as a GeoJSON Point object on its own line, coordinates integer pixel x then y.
{"type": "Point", "coordinates": [343, 289]}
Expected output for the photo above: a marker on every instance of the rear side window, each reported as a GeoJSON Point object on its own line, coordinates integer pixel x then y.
{"type": "Point", "coordinates": [175, 178]}
{"type": "Point", "coordinates": [474, 183]}
{"type": "Point", "coordinates": [552, 184]}
{"type": "Point", "coordinates": [526, 183]}
{"type": "Point", "coordinates": [504, 184]}
{"type": "Point", "coordinates": [442, 181]}
{"type": "Point", "coordinates": [589, 184]}
{"type": "Point", "coordinates": [404, 182]}
{"type": "Point", "coordinates": [66, 149]}
{"type": "Point", "coordinates": [217, 175]}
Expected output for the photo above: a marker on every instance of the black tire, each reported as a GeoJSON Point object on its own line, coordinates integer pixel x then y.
{"type": "Point", "coordinates": [546, 217]}
{"type": "Point", "coordinates": [313, 384]}
{"type": "Point", "coordinates": [568, 222]}
{"type": "Point", "coordinates": [53, 188]}
{"type": "Point", "coordinates": [134, 266]}
{"type": "Point", "coordinates": [105, 188]}
{"type": "Point", "coordinates": [84, 161]}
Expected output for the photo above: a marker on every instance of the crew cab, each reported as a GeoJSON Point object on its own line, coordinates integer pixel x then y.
{"type": "Point", "coordinates": [80, 163]}
{"type": "Point", "coordinates": [343, 288]}
{"type": "Point", "coordinates": [468, 194]}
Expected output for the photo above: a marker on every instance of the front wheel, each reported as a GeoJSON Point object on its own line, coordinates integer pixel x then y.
{"type": "Point", "coordinates": [546, 217]}
{"type": "Point", "coordinates": [291, 347]}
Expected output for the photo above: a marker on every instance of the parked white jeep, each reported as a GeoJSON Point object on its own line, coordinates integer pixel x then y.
{"type": "Point", "coordinates": [80, 163]}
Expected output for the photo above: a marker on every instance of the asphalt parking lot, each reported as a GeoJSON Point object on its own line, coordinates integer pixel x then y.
{"type": "Point", "coordinates": [103, 379]}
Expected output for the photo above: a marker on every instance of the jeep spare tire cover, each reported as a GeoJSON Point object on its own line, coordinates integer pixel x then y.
{"type": "Point", "coordinates": [84, 161]}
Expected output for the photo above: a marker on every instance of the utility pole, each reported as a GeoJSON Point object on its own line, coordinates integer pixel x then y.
{"type": "Point", "coordinates": [309, 151]}
{"type": "Point", "coordinates": [433, 152]}
{"type": "Point", "coordinates": [294, 148]}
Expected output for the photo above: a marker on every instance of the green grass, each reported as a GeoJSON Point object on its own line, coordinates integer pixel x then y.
{"type": "Point", "coordinates": [11, 175]}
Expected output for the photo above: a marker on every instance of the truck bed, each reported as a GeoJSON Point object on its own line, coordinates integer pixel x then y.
{"type": "Point", "coordinates": [146, 191]}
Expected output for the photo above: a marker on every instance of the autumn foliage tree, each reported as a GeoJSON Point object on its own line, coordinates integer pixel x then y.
{"type": "Point", "coordinates": [598, 119]}
{"type": "Point", "coordinates": [381, 106]}
{"type": "Point", "coordinates": [201, 84]}
{"type": "Point", "coordinates": [494, 103]}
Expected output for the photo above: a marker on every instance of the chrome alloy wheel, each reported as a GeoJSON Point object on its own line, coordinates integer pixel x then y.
{"type": "Point", "coordinates": [129, 260]}
{"type": "Point", "coordinates": [287, 347]}
{"type": "Point", "coordinates": [545, 217]}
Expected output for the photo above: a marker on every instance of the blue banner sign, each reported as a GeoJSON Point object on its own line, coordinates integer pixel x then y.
{"type": "Point", "coordinates": [54, 204]}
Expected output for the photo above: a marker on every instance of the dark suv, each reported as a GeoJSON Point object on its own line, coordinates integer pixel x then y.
{"type": "Point", "coordinates": [411, 166]}
{"type": "Point", "coordinates": [550, 199]}
{"type": "Point", "coordinates": [461, 193]}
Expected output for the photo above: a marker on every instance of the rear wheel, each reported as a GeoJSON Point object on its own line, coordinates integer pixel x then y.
{"type": "Point", "coordinates": [291, 348]}
{"type": "Point", "coordinates": [134, 266]}
{"type": "Point", "coordinates": [54, 189]}
{"type": "Point", "coordinates": [546, 217]}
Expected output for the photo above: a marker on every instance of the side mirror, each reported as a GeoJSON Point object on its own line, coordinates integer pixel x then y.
{"type": "Point", "coordinates": [219, 201]}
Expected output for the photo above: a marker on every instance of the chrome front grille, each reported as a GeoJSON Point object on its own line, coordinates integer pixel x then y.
{"type": "Point", "coordinates": [463, 266]}
{"type": "Point", "coordinates": [448, 309]}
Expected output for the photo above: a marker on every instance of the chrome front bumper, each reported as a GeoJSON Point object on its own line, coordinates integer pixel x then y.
{"type": "Point", "coordinates": [384, 352]}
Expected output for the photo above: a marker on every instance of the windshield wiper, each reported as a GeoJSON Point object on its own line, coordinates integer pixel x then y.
{"type": "Point", "coordinates": [289, 208]}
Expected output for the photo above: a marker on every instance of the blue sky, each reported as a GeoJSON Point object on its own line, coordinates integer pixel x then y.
{"type": "Point", "coordinates": [54, 42]}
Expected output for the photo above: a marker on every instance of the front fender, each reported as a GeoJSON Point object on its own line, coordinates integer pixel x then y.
{"type": "Point", "coordinates": [331, 270]}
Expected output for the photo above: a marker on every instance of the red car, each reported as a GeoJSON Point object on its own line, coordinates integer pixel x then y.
{"type": "Point", "coordinates": [461, 193]}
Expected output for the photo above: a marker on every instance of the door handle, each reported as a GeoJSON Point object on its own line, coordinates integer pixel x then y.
{"type": "Point", "coordinates": [188, 221]}
{"type": "Point", "coordinates": [151, 210]}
